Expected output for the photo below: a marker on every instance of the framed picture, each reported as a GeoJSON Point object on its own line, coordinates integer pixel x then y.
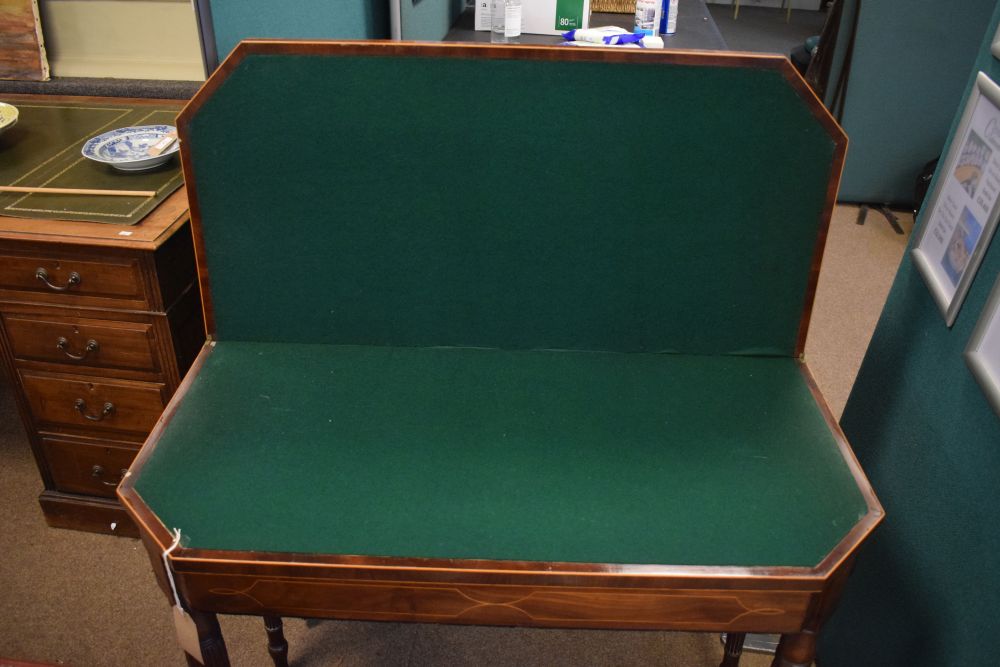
{"type": "Point", "coordinates": [962, 210]}
{"type": "Point", "coordinates": [983, 352]}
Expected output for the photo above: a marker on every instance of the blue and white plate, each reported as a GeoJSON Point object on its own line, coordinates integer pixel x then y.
{"type": "Point", "coordinates": [127, 148]}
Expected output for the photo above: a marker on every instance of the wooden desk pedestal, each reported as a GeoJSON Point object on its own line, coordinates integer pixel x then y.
{"type": "Point", "coordinates": [96, 331]}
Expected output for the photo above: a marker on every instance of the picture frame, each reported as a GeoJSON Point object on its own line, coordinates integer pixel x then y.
{"type": "Point", "coordinates": [963, 208]}
{"type": "Point", "coordinates": [982, 355]}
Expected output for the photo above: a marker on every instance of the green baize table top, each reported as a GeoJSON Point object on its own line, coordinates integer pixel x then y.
{"type": "Point", "coordinates": [564, 456]}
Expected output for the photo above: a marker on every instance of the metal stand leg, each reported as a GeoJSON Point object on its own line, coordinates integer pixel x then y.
{"type": "Point", "coordinates": [277, 646]}
{"type": "Point", "coordinates": [884, 210]}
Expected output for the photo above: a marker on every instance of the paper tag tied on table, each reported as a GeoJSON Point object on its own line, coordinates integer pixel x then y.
{"type": "Point", "coordinates": [165, 142]}
{"type": "Point", "coordinates": [187, 634]}
{"type": "Point", "coordinates": [187, 631]}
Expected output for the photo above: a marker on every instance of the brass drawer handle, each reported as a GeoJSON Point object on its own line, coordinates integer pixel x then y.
{"type": "Point", "coordinates": [73, 281]}
{"type": "Point", "coordinates": [81, 407]}
{"type": "Point", "coordinates": [63, 344]}
{"type": "Point", "coordinates": [98, 471]}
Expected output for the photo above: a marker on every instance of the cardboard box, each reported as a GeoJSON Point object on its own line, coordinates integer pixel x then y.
{"type": "Point", "coordinates": [542, 17]}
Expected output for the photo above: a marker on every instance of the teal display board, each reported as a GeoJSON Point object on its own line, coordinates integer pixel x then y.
{"type": "Point", "coordinates": [428, 19]}
{"type": "Point", "coordinates": [924, 592]}
{"type": "Point", "coordinates": [645, 207]}
{"type": "Point", "coordinates": [909, 64]}
{"type": "Point", "coordinates": [235, 20]}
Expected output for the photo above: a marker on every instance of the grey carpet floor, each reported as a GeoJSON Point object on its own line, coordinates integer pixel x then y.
{"type": "Point", "coordinates": [73, 598]}
{"type": "Point", "coordinates": [763, 29]}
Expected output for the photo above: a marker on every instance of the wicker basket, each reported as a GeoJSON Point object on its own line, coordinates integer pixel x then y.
{"type": "Point", "coordinates": [613, 6]}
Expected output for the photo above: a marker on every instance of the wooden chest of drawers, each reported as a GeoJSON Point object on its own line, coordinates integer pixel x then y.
{"type": "Point", "coordinates": [98, 324]}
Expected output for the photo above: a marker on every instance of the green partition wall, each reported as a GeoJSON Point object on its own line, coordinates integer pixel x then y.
{"type": "Point", "coordinates": [234, 20]}
{"type": "Point", "coordinates": [925, 592]}
{"type": "Point", "coordinates": [426, 19]}
{"type": "Point", "coordinates": [909, 62]}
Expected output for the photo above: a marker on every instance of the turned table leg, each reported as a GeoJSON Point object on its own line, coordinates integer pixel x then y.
{"type": "Point", "coordinates": [213, 647]}
{"type": "Point", "coordinates": [796, 650]}
{"type": "Point", "coordinates": [734, 649]}
{"type": "Point", "coordinates": [277, 646]}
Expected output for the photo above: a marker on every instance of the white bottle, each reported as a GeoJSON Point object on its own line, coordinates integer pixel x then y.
{"type": "Point", "coordinates": [668, 18]}
{"type": "Point", "coordinates": [506, 18]}
{"type": "Point", "coordinates": [646, 15]}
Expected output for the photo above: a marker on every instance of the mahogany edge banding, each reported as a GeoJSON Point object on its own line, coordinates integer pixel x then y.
{"type": "Point", "coordinates": [840, 141]}
{"type": "Point", "coordinates": [876, 513]}
{"type": "Point", "coordinates": [833, 187]}
{"type": "Point", "coordinates": [197, 237]}
{"type": "Point", "coordinates": [468, 50]}
{"type": "Point", "coordinates": [127, 495]}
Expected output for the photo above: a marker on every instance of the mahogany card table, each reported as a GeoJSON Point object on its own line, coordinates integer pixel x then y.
{"type": "Point", "coordinates": [472, 359]}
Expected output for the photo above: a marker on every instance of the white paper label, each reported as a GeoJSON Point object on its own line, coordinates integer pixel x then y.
{"type": "Point", "coordinates": [187, 634]}
{"type": "Point", "coordinates": [512, 21]}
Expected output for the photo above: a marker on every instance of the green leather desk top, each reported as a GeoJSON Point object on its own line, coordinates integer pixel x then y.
{"type": "Point", "coordinates": [510, 455]}
{"type": "Point", "coordinates": [43, 150]}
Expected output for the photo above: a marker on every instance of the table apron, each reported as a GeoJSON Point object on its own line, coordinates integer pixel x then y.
{"type": "Point", "coordinates": [710, 609]}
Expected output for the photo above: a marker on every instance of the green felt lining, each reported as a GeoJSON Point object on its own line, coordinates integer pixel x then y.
{"type": "Point", "coordinates": [506, 309]}
{"type": "Point", "coordinates": [419, 201]}
{"type": "Point", "coordinates": [510, 455]}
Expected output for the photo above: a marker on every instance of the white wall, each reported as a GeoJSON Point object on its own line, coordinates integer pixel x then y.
{"type": "Point", "coordinates": [126, 39]}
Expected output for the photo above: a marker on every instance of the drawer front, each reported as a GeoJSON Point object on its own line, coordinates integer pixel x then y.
{"type": "Point", "coordinates": [69, 280]}
{"type": "Point", "coordinates": [98, 406]}
{"type": "Point", "coordinates": [83, 342]}
{"type": "Point", "coordinates": [92, 469]}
